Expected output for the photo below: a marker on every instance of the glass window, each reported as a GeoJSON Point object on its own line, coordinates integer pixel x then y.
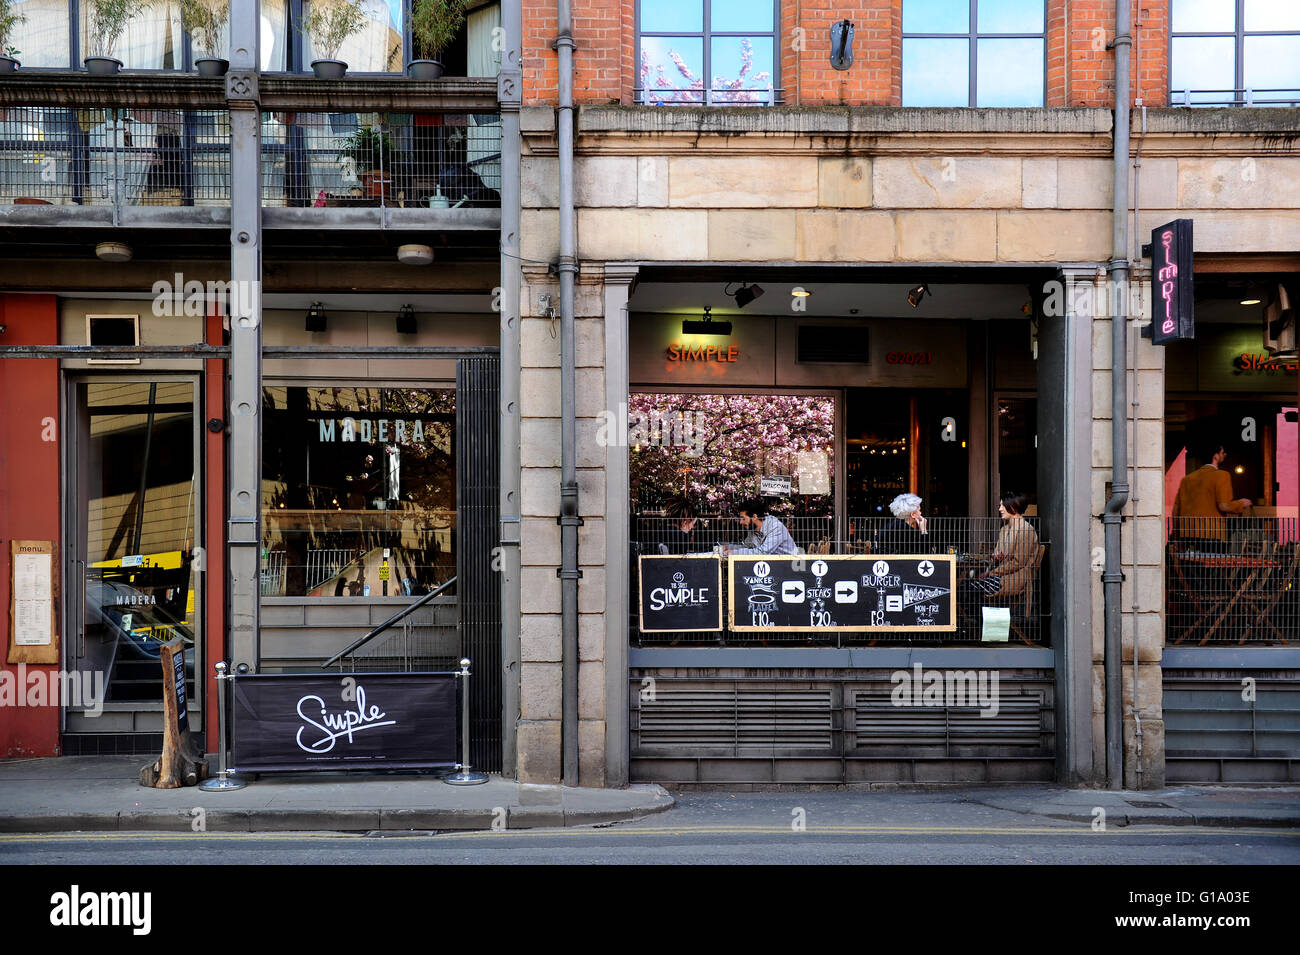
{"type": "Point", "coordinates": [152, 39]}
{"type": "Point", "coordinates": [358, 491]}
{"type": "Point", "coordinates": [1226, 52]}
{"type": "Point", "coordinates": [969, 53]}
{"type": "Point", "coordinates": [42, 38]}
{"type": "Point", "coordinates": [375, 48]}
{"type": "Point", "coordinates": [683, 42]}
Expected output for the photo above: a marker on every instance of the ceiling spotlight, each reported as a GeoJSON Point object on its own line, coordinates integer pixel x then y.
{"type": "Point", "coordinates": [1250, 301]}
{"type": "Point", "coordinates": [915, 295]}
{"type": "Point", "coordinates": [315, 318]}
{"type": "Point", "coordinates": [745, 294]}
{"type": "Point", "coordinates": [406, 320]}
{"type": "Point", "coordinates": [113, 252]}
{"type": "Point", "coordinates": [415, 254]}
{"type": "Point", "coordinates": [705, 326]}
{"type": "Point", "coordinates": [800, 292]}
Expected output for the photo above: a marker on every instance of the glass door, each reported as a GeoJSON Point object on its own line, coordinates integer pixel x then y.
{"type": "Point", "coordinates": [134, 502]}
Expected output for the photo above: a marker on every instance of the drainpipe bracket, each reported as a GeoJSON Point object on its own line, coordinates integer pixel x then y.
{"type": "Point", "coordinates": [564, 39]}
{"type": "Point", "coordinates": [1113, 577]}
{"type": "Point", "coordinates": [568, 574]}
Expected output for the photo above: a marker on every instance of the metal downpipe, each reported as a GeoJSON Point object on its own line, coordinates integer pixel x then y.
{"type": "Point", "coordinates": [569, 518]}
{"type": "Point", "coordinates": [1112, 520]}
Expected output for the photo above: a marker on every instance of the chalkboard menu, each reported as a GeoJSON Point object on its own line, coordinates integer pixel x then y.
{"type": "Point", "coordinates": [851, 592]}
{"type": "Point", "coordinates": [680, 593]}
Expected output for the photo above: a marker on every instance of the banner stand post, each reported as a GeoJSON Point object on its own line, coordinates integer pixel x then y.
{"type": "Point", "coordinates": [465, 777]}
{"type": "Point", "coordinates": [223, 782]}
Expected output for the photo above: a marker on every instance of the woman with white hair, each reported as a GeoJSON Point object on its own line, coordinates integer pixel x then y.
{"type": "Point", "coordinates": [907, 532]}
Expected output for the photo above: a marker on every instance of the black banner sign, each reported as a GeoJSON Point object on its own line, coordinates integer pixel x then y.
{"type": "Point", "coordinates": [359, 720]}
{"type": "Point", "coordinates": [680, 593]}
{"type": "Point", "coordinates": [178, 669]}
{"type": "Point", "coordinates": [851, 592]}
{"type": "Point", "coordinates": [1172, 296]}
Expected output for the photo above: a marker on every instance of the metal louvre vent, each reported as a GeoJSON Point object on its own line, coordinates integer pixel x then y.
{"type": "Point", "coordinates": [878, 721]}
{"type": "Point", "coordinates": [737, 717]}
{"type": "Point", "coordinates": [838, 344]}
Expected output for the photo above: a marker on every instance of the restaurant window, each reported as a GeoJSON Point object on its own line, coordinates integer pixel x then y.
{"type": "Point", "coordinates": [1234, 51]}
{"type": "Point", "coordinates": [973, 53]}
{"type": "Point", "coordinates": [358, 491]}
{"type": "Point", "coordinates": [681, 43]}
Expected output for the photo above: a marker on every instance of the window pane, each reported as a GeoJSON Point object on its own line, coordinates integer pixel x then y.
{"type": "Point", "coordinates": [43, 38]}
{"type": "Point", "coordinates": [1009, 73]}
{"type": "Point", "coordinates": [734, 16]}
{"type": "Point", "coordinates": [1010, 16]}
{"type": "Point", "coordinates": [936, 73]}
{"type": "Point", "coordinates": [275, 34]}
{"type": "Point", "coordinates": [936, 16]}
{"type": "Point", "coordinates": [672, 16]}
{"type": "Point", "coordinates": [349, 473]}
{"type": "Point", "coordinates": [375, 48]}
{"type": "Point", "coordinates": [1204, 63]}
{"type": "Point", "coordinates": [1204, 16]}
{"type": "Point", "coordinates": [671, 69]}
{"type": "Point", "coordinates": [1272, 15]}
{"type": "Point", "coordinates": [151, 41]}
{"type": "Point", "coordinates": [1273, 63]}
{"type": "Point", "coordinates": [739, 65]}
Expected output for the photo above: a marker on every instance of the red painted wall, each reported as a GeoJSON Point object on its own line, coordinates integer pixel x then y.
{"type": "Point", "coordinates": [29, 489]}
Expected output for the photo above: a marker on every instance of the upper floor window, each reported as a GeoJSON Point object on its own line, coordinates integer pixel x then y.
{"type": "Point", "coordinates": [973, 53]}
{"type": "Point", "coordinates": [706, 52]}
{"type": "Point", "coordinates": [1234, 51]}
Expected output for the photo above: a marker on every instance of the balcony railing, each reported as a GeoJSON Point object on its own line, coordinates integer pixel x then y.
{"type": "Point", "coordinates": [122, 156]}
{"type": "Point", "coordinates": [972, 540]}
{"type": "Point", "coordinates": [1233, 581]}
{"type": "Point", "coordinates": [1243, 97]}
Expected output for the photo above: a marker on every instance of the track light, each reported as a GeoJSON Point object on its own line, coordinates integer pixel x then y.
{"type": "Point", "coordinates": [315, 318]}
{"type": "Point", "coordinates": [705, 326]}
{"type": "Point", "coordinates": [915, 295]}
{"type": "Point", "coordinates": [745, 294]}
{"type": "Point", "coordinates": [406, 320]}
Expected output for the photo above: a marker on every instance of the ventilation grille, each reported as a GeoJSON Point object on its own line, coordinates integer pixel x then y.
{"type": "Point", "coordinates": [877, 721]}
{"type": "Point", "coordinates": [738, 717]}
{"type": "Point", "coordinates": [840, 344]}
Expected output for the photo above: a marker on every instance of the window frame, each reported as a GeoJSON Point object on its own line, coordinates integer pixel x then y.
{"type": "Point", "coordinates": [972, 36]}
{"type": "Point", "coordinates": [706, 35]}
{"type": "Point", "coordinates": [1240, 95]}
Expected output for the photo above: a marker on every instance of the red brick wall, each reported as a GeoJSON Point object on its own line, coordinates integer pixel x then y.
{"type": "Point", "coordinates": [1082, 75]}
{"type": "Point", "coordinates": [29, 493]}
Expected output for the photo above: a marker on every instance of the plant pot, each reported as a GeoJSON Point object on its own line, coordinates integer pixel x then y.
{"type": "Point", "coordinates": [424, 69]}
{"type": "Point", "coordinates": [8, 64]}
{"type": "Point", "coordinates": [211, 66]}
{"type": "Point", "coordinates": [329, 69]}
{"type": "Point", "coordinates": [374, 185]}
{"type": "Point", "coordinates": [102, 65]}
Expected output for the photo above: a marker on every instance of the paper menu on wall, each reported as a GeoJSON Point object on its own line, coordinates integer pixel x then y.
{"type": "Point", "coordinates": [32, 598]}
{"type": "Point", "coordinates": [814, 472]}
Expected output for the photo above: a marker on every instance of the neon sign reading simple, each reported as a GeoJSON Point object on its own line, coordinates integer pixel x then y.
{"type": "Point", "coordinates": [1166, 277]}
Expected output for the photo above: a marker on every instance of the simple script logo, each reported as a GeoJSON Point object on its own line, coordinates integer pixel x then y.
{"type": "Point", "coordinates": [330, 727]}
{"type": "Point", "coordinates": [76, 908]}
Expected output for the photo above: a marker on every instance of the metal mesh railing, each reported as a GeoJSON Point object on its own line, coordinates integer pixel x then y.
{"type": "Point", "coordinates": [420, 160]}
{"type": "Point", "coordinates": [973, 541]}
{"type": "Point", "coordinates": [1242, 97]}
{"type": "Point", "coordinates": [1233, 580]}
{"type": "Point", "coordinates": [114, 157]}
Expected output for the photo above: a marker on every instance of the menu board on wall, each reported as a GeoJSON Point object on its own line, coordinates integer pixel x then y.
{"type": "Point", "coordinates": [33, 591]}
{"type": "Point", "coordinates": [838, 593]}
{"type": "Point", "coordinates": [680, 593]}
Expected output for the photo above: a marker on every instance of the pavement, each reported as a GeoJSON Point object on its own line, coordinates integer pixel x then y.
{"type": "Point", "coordinates": [101, 793]}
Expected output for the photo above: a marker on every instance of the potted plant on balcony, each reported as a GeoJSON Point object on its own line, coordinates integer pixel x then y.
{"type": "Point", "coordinates": [9, 18]}
{"type": "Point", "coordinates": [374, 157]}
{"type": "Point", "coordinates": [434, 24]}
{"type": "Point", "coordinates": [205, 21]}
{"type": "Point", "coordinates": [329, 24]}
{"type": "Point", "coordinates": [108, 21]}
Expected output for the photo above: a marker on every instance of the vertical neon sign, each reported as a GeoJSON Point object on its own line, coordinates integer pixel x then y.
{"type": "Point", "coordinates": [1171, 266]}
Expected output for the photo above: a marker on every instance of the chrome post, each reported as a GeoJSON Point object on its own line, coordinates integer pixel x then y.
{"type": "Point", "coordinates": [464, 777]}
{"type": "Point", "coordinates": [223, 782]}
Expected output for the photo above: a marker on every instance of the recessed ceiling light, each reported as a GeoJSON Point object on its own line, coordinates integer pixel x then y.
{"type": "Point", "coordinates": [414, 254]}
{"type": "Point", "coordinates": [1250, 301]}
{"type": "Point", "coordinates": [800, 292]}
{"type": "Point", "coordinates": [113, 252]}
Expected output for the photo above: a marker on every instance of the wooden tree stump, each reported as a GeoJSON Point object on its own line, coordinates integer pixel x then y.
{"type": "Point", "coordinates": [181, 762]}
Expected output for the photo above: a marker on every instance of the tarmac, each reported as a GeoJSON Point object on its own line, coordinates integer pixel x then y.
{"type": "Point", "coordinates": [102, 793]}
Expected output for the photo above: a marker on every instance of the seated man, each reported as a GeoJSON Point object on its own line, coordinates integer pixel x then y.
{"type": "Point", "coordinates": [767, 534]}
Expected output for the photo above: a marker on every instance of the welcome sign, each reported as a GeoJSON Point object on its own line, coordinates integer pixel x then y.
{"type": "Point", "coordinates": [284, 722]}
